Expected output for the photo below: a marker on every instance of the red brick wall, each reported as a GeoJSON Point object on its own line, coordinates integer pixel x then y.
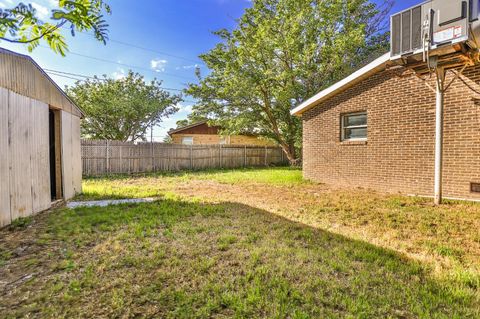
{"type": "Point", "coordinates": [399, 153]}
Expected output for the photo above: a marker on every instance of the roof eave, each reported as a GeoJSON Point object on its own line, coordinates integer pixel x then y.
{"type": "Point", "coordinates": [29, 58]}
{"type": "Point", "coordinates": [368, 70]}
{"type": "Point", "coordinates": [174, 131]}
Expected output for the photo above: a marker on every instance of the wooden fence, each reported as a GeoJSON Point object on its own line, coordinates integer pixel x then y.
{"type": "Point", "coordinates": [112, 157]}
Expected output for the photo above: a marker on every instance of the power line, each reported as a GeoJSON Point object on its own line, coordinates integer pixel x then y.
{"type": "Point", "coordinates": [68, 75]}
{"type": "Point", "coordinates": [71, 75]}
{"type": "Point", "coordinates": [142, 48]}
{"type": "Point", "coordinates": [123, 64]}
{"type": "Point", "coordinates": [156, 51]}
{"type": "Point", "coordinates": [65, 76]}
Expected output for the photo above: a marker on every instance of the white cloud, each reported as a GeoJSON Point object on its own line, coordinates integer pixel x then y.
{"type": "Point", "coordinates": [119, 74]}
{"type": "Point", "coordinates": [184, 108]}
{"type": "Point", "coordinates": [158, 65]}
{"type": "Point", "coordinates": [42, 11]}
{"type": "Point", "coordinates": [187, 67]}
{"type": "Point", "coordinates": [7, 4]}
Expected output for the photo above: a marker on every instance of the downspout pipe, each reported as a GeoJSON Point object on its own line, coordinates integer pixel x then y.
{"type": "Point", "coordinates": [440, 99]}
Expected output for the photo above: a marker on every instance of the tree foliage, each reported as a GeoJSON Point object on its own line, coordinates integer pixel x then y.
{"type": "Point", "coordinates": [122, 109]}
{"type": "Point", "coordinates": [281, 53]}
{"type": "Point", "coordinates": [21, 24]}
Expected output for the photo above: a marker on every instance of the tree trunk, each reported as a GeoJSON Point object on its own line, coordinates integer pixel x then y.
{"type": "Point", "coordinates": [290, 152]}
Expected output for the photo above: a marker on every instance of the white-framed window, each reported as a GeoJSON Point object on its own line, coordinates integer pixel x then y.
{"type": "Point", "coordinates": [187, 140]}
{"type": "Point", "coordinates": [224, 140]}
{"type": "Point", "coordinates": [354, 126]}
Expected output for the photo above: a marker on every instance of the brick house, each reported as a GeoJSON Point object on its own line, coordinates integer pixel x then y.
{"type": "Point", "coordinates": [203, 134]}
{"type": "Point", "coordinates": [376, 129]}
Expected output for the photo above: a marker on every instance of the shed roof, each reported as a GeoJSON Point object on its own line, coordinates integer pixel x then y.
{"type": "Point", "coordinates": [368, 70]}
{"type": "Point", "coordinates": [31, 90]}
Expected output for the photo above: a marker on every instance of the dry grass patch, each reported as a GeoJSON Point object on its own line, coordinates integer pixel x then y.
{"type": "Point", "coordinates": [216, 246]}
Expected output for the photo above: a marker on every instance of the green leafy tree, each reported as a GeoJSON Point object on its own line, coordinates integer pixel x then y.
{"type": "Point", "coordinates": [191, 119]}
{"type": "Point", "coordinates": [182, 123]}
{"type": "Point", "coordinates": [168, 139]}
{"type": "Point", "coordinates": [21, 24]}
{"type": "Point", "coordinates": [122, 109]}
{"type": "Point", "coordinates": [281, 53]}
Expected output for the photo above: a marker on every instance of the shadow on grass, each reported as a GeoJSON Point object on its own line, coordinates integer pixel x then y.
{"type": "Point", "coordinates": [182, 259]}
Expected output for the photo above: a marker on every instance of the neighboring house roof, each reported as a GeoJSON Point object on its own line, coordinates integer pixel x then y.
{"type": "Point", "coordinates": [181, 129]}
{"type": "Point", "coordinates": [370, 69]}
{"type": "Point", "coordinates": [28, 58]}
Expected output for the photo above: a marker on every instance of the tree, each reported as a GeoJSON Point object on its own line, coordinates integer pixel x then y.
{"type": "Point", "coordinates": [191, 119]}
{"type": "Point", "coordinates": [21, 24]}
{"type": "Point", "coordinates": [168, 139]}
{"type": "Point", "coordinates": [122, 109]}
{"type": "Point", "coordinates": [182, 123]}
{"type": "Point", "coordinates": [281, 53]}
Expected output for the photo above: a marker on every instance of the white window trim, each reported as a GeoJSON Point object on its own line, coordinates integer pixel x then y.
{"type": "Point", "coordinates": [343, 127]}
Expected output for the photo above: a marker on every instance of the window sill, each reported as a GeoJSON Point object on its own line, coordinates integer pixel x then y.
{"type": "Point", "coordinates": [352, 143]}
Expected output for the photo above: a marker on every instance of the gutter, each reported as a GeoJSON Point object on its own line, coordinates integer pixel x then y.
{"type": "Point", "coordinates": [368, 70]}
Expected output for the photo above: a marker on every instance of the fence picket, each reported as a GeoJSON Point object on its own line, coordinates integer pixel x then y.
{"type": "Point", "coordinates": [105, 157]}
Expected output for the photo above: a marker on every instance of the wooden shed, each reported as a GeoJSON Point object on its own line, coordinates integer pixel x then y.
{"type": "Point", "coordinates": [39, 140]}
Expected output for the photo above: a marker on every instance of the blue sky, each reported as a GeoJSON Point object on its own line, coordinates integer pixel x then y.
{"type": "Point", "coordinates": [175, 32]}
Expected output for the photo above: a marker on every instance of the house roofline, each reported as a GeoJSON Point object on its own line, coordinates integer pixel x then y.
{"type": "Point", "coordinates": [368, 70]}
{"type": "Point", "coordinates": [29, 58]}
{"type": "Point", "coordinates": [173, 131]}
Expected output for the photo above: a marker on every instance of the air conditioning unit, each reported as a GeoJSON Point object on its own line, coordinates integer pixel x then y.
{"type": "Point", "coordinates": [436, 27]}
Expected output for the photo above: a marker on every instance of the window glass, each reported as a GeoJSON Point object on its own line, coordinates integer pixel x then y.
{"type": "Point", "coordinates": [355, 120]}
{"type": "Point", "coordinates": [355, 133]}
{"type": "Point", "coordinates": [354, 126]}
{"type": "Point", "coordinates": [187, 140]}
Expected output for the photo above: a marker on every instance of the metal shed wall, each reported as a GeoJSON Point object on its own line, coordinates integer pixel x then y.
{"type": "Point", "coordinates": [71, 155]}
{"type": "Point", "coordinates": [20, 74]}
{"type": "Point", "coordinates": [25, 158]}
{"type": "Point", "coordinates": [26, 95]}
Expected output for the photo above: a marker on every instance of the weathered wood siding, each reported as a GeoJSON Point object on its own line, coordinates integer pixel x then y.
{"type": "Point", "coordinates": [19, 109]}
{"type": "Point", "coordinates": [26, 94]}
{"type": "Point", "coordinates": [22, 75]}
{"type": "Point", "coordinates": [72, 166]}
{"type": "Point", "coordinates": [111, 157]}
{"type": "Point", "coordinates": [24, 157]}
{"type": "Point", "coordinates": [5, 216]}
{"type": "Point", "coordinates": [40, 156]}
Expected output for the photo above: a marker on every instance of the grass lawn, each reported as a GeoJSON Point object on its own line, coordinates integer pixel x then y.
{"type": "Point", "coordinates": [242, 244]}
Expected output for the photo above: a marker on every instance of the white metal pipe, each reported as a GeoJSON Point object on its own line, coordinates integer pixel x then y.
{"type": "Point", "coordinates": [439, 137]}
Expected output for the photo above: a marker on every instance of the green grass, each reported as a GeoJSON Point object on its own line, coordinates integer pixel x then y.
{"type": "Point", "coordinates": [207, 249]}
{"type": "Point", "coordinates": [188, 259]}
{"type": "Point", "coordinates": [153, 185]}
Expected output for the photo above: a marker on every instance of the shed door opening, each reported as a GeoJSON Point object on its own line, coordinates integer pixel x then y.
{"type": "Point", "coordinates": [55, 155]}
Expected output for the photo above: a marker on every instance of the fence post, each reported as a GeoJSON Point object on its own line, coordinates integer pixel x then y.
{"type": "Point", "coordinates": [151, 153]}
{"type": "Point", "coordinates": [245, 156]}
{"type": "Point", "coordinates": [220, 150]}
{"type": "Point", "coordinates": [191, 157]}
{"type": "Point", "coordinates": [129, 159]}
{"type": "Point", "coordinates": [265, 156]}
{"type": "Point", "coordinates": [107, 157]}
{"type": "Point", "coordinates": [121, 158]}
